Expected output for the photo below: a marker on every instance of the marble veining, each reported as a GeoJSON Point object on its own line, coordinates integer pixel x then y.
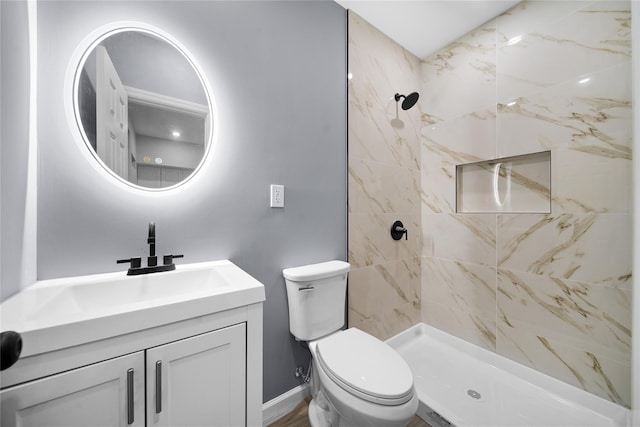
{"type": "Point", "coordinates": [460, 78]}
{"type": "Point", "coordinates": [384, 184]}
{"type": "Point", "coordinates": [466, 286]}
{"type": "Point", "coordinates": [621, 47]}
{"type": "Point", "coordinates": [584, 129]}
{"type": "Point", "coordinates": [595, 316]}
{"type": "Point", "coordinates": [541, 46]}
{"type": "Point", "coordinates": [569, 246]}
{"type": "Point", "coordinates": [473, 328]}
{"type": "Point", "coordinates": [548, 290]}
{"type": "Point", "coordinates": [445, 231]}
{"type": "Point", "coordinates": [588, 370]}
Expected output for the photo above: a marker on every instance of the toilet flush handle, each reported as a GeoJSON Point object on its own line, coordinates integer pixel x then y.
{"type": "Point", "coordinates": [306, 289]}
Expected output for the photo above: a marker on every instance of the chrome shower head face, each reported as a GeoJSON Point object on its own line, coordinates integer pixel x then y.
{"type": "Point", "coordinates": [409, 100]}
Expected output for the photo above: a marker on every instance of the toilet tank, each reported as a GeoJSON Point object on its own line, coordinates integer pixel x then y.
{"type": "Point", "coordinates": [317, 296]}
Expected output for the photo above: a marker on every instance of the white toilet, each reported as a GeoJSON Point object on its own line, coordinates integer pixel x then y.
{"type": "Point", "coordinates": [357, 380]}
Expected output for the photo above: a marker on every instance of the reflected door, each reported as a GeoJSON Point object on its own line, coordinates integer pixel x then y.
{"type": "Point", "coordinates": [112, 123]}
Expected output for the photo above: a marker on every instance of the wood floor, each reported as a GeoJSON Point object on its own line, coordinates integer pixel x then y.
{"type": "Point", "coordinates": [298, 418]}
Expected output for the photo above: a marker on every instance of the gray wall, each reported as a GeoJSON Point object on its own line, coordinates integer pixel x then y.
{"type": "Point", "coordinates": [277, 71]}
{"type": "Point", "coordinates": [14, 141]}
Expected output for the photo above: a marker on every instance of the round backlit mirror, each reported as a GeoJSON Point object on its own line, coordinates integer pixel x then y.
{"type": "Point", "coordinates": [142, 108]}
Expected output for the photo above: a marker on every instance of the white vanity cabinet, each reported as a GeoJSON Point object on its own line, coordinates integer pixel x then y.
{"type": "Point", "coordinates": [176, 348]}
{"type": "Point", "coordinates": [198, 381]}
{"type": "Point", "coordinates": [109, 393]}
{"type": "Point", "coordinates": [195, 381]}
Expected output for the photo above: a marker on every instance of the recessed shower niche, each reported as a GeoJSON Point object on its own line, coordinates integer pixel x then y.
{"type": "Point", "coordinates": [518, 184]}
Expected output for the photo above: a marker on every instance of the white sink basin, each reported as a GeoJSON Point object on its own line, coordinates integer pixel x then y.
{"type": "Point", "coordinates": [105, 293]}
{"type": "Point", "coordinates": [59, 313]}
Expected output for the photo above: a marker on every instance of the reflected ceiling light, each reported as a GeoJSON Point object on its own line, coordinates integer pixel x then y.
{"type": "Point", "coordinates": [175, 133]}
{"type": "Point", "coordinates": [511, 104]}
{"type": "Point", "coordinates": [585, 80]}
{"type": "Point", "coordinates": [409, 100]}
{"type": "Point", "coordinates": [349, 76]}
{"type": "Point", "coordinates": [516, 39]}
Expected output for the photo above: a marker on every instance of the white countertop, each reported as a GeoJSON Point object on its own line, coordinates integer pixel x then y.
{"type": "Point", "coordinates": [60, 313]}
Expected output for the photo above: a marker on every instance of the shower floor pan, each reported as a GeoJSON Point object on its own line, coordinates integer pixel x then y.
{"type": "Point", "coordinates": [460, 384]}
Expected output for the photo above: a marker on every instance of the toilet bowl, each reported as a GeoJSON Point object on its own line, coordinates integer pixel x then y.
{"type": "Point", "coordinates": [365, 382]}
{"type": "Point", "coordinates": [357, 379]}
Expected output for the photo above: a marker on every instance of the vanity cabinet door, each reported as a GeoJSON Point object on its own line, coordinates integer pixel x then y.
{"type": "Point", "coordinates": [109, 393]}
{"type": "Point", "coordinates": [198, 381]}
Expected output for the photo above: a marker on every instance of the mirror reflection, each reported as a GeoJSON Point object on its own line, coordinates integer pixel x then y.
{"type": "Point", "coordinates": [143, 109]}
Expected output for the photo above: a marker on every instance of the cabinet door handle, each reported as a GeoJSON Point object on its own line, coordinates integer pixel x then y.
{"type": "Point", "coordinates": [130, 396]}
{"type": "Point", "coordinates": [158, 386]}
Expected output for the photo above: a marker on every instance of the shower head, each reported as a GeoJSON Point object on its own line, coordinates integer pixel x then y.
{"type": "Point", "coordinates": [409, 100]}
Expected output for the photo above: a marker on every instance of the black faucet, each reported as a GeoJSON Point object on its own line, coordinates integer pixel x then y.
{"type": "Point", "coordinates": [152, 260]}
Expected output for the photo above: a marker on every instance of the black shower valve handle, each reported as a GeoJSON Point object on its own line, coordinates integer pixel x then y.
{"type": "Point", "coordinates": [397, 230]}
{"type": "Point", "coordinates": [405, 232]}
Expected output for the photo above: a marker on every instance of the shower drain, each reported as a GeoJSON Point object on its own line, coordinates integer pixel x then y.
{"type": "Point", "coordinates": [474, 394]}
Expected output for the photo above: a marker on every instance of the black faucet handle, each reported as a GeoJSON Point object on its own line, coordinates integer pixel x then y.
{"type": "Point", "coordinates": [168, 259]}
{"type": "Point", "coordinates": [152, 233]}
{"type": "Point", "coordinates": [136, 262]}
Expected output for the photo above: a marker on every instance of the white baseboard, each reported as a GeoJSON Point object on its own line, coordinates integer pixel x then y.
{"type": "Point", "coordinates": [280, 406]}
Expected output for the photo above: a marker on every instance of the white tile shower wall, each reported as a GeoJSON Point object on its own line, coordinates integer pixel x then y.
{"type": "Point", "coordinates": [384, 181]}
{"type": "Point", "coordinates": [549, 291]}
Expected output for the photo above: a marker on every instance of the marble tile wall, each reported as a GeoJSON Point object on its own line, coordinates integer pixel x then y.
{"type": "Point", "coordinates": [551, 291]}
{"type": "Point", "coordinates": [384, 183]}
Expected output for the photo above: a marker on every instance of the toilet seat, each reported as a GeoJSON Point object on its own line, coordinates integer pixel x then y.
{"type": "Point", "coordinates": [365, 367]}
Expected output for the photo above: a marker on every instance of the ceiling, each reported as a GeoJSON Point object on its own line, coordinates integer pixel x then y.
{"type": "Point", "coordinates": [424, 26]}
{"type": "Point", "coordinates": [160, 123]}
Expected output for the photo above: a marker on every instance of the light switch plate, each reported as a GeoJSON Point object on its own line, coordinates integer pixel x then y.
{"type": "Point", "coordinates": [277, 196]}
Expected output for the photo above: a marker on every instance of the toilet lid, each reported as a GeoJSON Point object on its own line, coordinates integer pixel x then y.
{"type": "Point", "coordinates": [365, 366]}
